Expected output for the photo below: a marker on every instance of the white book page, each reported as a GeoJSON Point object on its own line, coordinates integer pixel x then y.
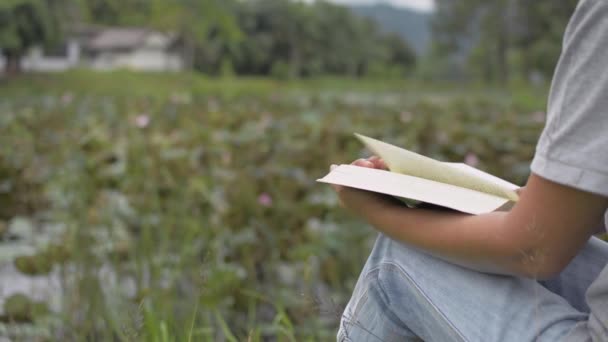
{"type": "Point", "coordinates": [402, 161]}
{"type": "Point", "coordinates": [483, 175]}
{"type": "Point", "coordinates": [399, 185]}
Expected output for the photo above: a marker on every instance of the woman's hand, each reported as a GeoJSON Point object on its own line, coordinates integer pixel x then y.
{"type": "Point", "coordinates": [360, 201]}
{"type": "Point", "coordinates": [373, 162]}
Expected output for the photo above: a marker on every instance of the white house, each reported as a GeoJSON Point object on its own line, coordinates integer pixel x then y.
{"type": "Point", "coordinates": [108, 49]}
{"type": "Point", "coordinates": [134, 48]}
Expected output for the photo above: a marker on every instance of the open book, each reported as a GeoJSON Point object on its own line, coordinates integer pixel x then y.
{"type": "Point", "coordinates": [415, 177]}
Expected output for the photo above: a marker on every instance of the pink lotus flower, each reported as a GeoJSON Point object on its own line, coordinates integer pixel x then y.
{"type": "Point", "coordinates": [265, 200]}
{"type": "Point", "coordinates": [142, 121]}
{"type": "Point", "coordinates": [67, 98]}
{"type": "Point", "coordinates": [471, 159]}
{"type": "Point", "coordinates": [226, 158]}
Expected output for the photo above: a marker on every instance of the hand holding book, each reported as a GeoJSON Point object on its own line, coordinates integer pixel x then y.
{"type": "Point", "coordinates": [415, 177]}
{"type": "Point", "coordinates": [358, 200]}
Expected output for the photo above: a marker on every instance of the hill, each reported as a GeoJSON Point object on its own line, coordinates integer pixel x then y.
{"type": "Point", "coordinates": [414, 26]}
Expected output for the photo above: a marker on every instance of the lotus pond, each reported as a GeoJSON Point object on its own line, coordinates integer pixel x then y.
{"type": "Point", "coordinates": [180, 208]}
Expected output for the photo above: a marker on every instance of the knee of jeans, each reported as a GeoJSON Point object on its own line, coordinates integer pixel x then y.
{"type": "Point", "coordinates": [393, 285]}
{"type": "Point", "coordinates": [368, 315]}
{"type": "Point", "coordinates": [359, 298]}
{"type": "Point", "coordinates": [342, 333]}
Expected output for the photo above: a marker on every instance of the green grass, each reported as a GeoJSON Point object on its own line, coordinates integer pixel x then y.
{"type": "Point", "coordinates": [199, 193]}
{"type": "Point", "coordinates": [164, 85]}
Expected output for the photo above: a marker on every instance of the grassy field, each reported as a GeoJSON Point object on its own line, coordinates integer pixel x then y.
{"type": "Point", "coordinates": [183, 208]}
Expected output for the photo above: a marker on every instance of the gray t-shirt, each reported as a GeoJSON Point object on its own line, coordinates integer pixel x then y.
{"type": "Point", "coordinates": [573, 148]}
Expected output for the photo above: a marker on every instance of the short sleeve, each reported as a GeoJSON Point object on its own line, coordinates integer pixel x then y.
{"type": "Point", "coordinates": [573, 148]}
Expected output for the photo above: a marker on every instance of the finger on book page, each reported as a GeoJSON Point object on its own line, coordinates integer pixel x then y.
{"type": "Point", "coordinates": [364, 163]}
{"type": "Point", "coordinates": [378, 162]}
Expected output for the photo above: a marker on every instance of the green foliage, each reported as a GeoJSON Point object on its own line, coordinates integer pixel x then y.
{"type": "Point", "coordinates": [540, 43]}
{"type": "Point", "coordinates": [287, 39]}
{"type": "Point", "coordinates": [115, 12]}
{"type": "Point", "coordinates": [502, 39]}
{"type": "Point", "coordinates": [283, 38]}
{"type": "Point", "coordinates": [20, 308]}
{"type": "Point", "coordinates": [24, 23]}
{"type": "Point", "coordinates": [190, 207]}
{"type": "Point", "coordinates": [304, 40]}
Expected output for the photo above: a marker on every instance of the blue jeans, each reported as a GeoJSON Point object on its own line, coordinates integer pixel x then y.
{"type": "Point", "coordinates": [407, 295]}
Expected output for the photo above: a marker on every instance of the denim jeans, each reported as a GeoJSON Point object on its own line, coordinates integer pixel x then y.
{"type": "Point", "coordinates": [406, 295]}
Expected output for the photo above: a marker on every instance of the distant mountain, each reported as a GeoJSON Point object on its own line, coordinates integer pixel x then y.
{"type": "Point", "coordinates": [412, 25]}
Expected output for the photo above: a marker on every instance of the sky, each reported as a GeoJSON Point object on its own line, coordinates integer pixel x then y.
{"type": "Point", "coordinates": [422, 5]}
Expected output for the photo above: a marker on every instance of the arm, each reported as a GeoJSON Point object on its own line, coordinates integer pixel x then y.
{"type": "Point", "coordinates": [551, 222]}
{"type": "Point", "coordinates": [537, 238]}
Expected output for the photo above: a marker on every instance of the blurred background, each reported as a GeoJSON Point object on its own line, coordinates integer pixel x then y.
{"type": "Point", "coordinates": [158, 158]}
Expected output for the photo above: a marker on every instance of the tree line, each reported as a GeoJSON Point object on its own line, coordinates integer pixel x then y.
{"type": "Point", "coordinates": [491, 40]}
{"type": "Point", "coordinates": [257, 37]}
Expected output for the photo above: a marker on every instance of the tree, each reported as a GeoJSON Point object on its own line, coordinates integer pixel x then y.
{"type": "Point", "coordinates": [24, 23]}
{"type": "Point", "coordinates": [294, 39]}
{"type": "Point", "coordinates": [200, 24]}
{"type": "Point", "coordinates": [116, 12]}
{"type": "Point", "coordinates": [501, 38]}
{"type": "Point", "coordinates": [542, 25]}
{"type": "Point", "coordinates": [284, 38]}
{"type": "Point", "coordinates": [194, 21]}
{"type": "Point", "coordinates": [481, 27]}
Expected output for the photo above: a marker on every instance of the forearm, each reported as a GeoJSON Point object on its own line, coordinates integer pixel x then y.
{"type": "Point", "coordinates": [477, 242]}
{"type": "Point", "coordinates": [537, 238]}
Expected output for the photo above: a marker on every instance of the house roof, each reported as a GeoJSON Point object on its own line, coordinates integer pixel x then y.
{"type": "Point", "coordinates": [118, 38]}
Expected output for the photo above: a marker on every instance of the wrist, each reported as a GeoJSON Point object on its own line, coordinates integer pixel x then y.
{"type": "Point", "coordinates": [364, 203]}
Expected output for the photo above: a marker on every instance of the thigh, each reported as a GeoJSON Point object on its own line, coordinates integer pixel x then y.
{"type": "Point", "coordinates": [573, 283]}
{"type": "Point", "coordinates": [596, 327]}
{"type": "Point", "coordinates": [422, 296]}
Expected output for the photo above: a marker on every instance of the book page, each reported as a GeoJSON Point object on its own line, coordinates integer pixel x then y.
{"type": "Point", "coordinates": [478, 173]}
{"type": "Point", "coordinates": [404, 186]}
{"type": "Point", "coordinates": [409, 163]}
